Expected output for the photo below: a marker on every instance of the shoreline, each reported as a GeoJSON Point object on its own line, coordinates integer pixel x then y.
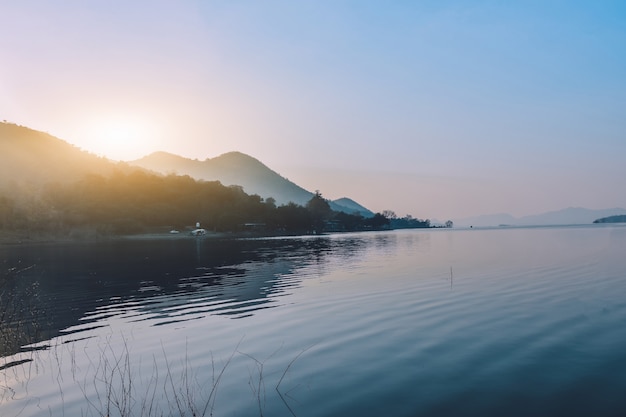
{"type": "Point", "coordinates": [19, 239]}
{"type": "Point", "coordinates": [23, 239]}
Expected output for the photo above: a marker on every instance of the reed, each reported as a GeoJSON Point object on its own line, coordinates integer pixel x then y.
{"type": "Point", "coordinates": [114, 386]}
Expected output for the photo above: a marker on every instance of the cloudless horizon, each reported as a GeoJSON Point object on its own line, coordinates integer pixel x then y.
{"type": "Point", "coordinates": [439, 109]}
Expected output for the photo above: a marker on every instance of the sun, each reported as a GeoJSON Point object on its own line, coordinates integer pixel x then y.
{"type": "Point", "coordinates": [120, 139]}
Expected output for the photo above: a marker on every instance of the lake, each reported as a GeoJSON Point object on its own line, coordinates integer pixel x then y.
{"type": "Point", "coordinates": [427, 322]}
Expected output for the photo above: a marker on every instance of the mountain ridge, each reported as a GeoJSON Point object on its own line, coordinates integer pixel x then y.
{"type": "Point", "coordinates": [31, 159]}
{"type": "Point", "coordinates": [29, 152]}
{"type": "Point", "coordinates": [238, 168]}
{"type": "Point", "coordinates": [566, 216]}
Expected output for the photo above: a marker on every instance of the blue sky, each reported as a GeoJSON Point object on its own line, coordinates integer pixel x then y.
{"type": "Point", "coordinates": [440, 109]}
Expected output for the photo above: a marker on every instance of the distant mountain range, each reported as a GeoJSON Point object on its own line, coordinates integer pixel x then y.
{"type": "Point", "coordinates": [236, 168]}
{"type": "Point", "coordinates": [572, 215]}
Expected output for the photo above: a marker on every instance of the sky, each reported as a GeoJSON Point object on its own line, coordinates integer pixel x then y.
{"type": "Point", "coordinates": [438, 109]}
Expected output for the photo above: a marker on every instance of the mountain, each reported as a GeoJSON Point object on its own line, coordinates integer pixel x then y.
{"type": "Point", "coordinates": [571, 215]}
{"type": "Point", "coordinates": [352, 207]}
{"type": "Point", "coordinates": [233, 168]}
{"type": "Point", "coordinates": [29, 157]}
{"type": "Point", "coordinates": [612, 219]}
{"type": "Point", "coordinates": [236, 168]}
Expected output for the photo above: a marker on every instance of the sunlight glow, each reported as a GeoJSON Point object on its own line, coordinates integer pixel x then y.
{"type": "Point", "coordinates": [120, 139]}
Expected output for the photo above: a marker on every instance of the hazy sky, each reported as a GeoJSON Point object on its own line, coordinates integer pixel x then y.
{"type": "Point", "coordinates": [440, 109]}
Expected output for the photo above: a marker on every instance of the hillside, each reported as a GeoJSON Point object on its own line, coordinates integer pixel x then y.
{"type": "Point", "coordinates": [32, 158]}
{"type": "Point", "coordinates": [50, 189]}
{"type": "Point", "coordinates": [236, 168]}
{"type": "Point", "coordinates": [233, 168]}
{"type": "Point", "coordinates": [612, 219]}
{"type": "Point", "coordinates": [351, 206]}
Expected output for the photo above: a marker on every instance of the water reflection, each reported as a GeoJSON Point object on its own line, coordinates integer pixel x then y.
{"type": "Point", "coordinates": [370, 324]}
{"type": "Point", "coordinates": [48, 290]}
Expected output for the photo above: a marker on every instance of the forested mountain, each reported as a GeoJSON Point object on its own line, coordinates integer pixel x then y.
{"type": "Point", "coordinates": [29, 158]}
{"type": "Point", "coordinates": [51, 189]}
{"type": "Point", "coordinates": [233, 168]}
{"type": "Point", "coordinates": [236, 168]}
{"type": "Point", "coordinates": [612, 219]}
{"type": "Point", "coordinates": [352, 206]}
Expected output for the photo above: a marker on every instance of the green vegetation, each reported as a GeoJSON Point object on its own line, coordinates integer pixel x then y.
{"type": "Point", "coordinates": [407, 222]}
{"type": "Point", "coordinates": [50, 189]}
{"type": "Point", "coordinates": [143, 202]}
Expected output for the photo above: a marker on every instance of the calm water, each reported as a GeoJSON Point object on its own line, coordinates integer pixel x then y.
{"type": "Point", "coordinates": [504, 322]}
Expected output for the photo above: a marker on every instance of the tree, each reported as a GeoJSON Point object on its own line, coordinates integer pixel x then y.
{"type": "Point", "coordinates": [378, 222]}
{"type": "Point", "coordinates": [320, 211]}
{"type": "Point", "coordinates": [294, 218]}
{"type": "Point", "coordinates": [270, 202]}
{"type": "Point", "coordinates": [449, 224]}
{"type": "Point", "coordinates": [349, 222]}
{"type": "Point", "coordinates": [318, 205]}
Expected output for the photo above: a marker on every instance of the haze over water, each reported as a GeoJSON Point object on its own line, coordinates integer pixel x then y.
{"type": "Point", "coordinates": [519, 321]}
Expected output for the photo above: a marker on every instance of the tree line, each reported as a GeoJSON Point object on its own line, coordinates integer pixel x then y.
{"type": "Point", "coordinates": [137, 202]}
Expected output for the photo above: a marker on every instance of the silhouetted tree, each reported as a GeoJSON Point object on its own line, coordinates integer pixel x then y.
{"type": "Point", "coordinates": [320, 211]}
{"type": "Point", "coordinates": [270, 202]}
{"type": "Point", "coordinates": [294, 218]}
{"type": "Point", "coordinates": [349, 222]}
{"type": "Point", "coordinates": [408, 222]}
{"type": "Point", "coordinates": [377, 222]}
{"type": "Point", "coordinates": [138, 201]}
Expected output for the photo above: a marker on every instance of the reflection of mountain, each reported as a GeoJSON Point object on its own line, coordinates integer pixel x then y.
{"type": "Point", "coordinates": [236, 168]}
{"type": "Point", "coordinates": [64, 288]}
